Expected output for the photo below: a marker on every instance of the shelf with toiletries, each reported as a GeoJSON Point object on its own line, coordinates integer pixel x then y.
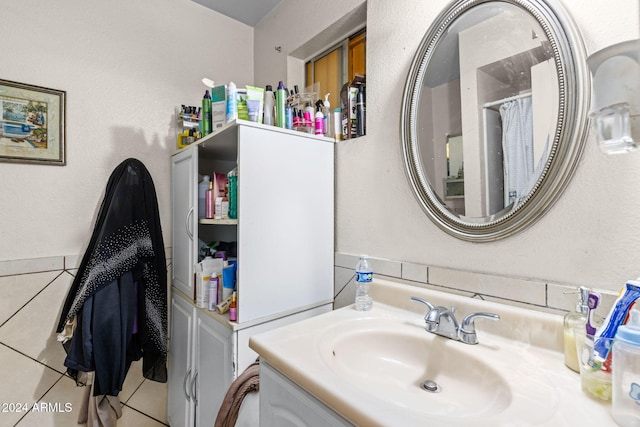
{"type": "Point", "coordinates": [284, 202]}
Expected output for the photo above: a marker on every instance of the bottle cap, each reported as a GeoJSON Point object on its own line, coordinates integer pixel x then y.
{"type": "Point", "coordinates": [269, 88]}
{"type": "Point", "coordinates": [630, 333]}
{"type": "Point", "coordinates": [280, 85]}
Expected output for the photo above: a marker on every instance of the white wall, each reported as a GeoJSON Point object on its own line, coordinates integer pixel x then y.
{"type": "Point", "coordinates": [589, 237]}
{"type": "Point", "coordinates": [125, 66]}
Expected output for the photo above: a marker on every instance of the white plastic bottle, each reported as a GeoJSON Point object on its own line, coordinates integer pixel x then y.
{"type": "Point", "coordinates": [328, 119]}
{"type": "Point", "coordinates": [626, 373]}
{"type": "Point", "coordinates": [364, 275]}
{"type": "Point", "coordinates": [232, 102]}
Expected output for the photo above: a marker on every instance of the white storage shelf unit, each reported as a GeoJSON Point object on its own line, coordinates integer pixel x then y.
{"type": "Point", "coordinates": [284, 230]}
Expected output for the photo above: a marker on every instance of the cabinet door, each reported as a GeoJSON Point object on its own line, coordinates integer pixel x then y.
{"type": "Point", "coordinates": [285, 224]}
{"type": "Point", "coordinates": [284, 404]}
{"type": "Point", "coordinates": [179, 404]}
{"type": "Point", "coordinates": [214, 359]}
{"type": "Point", "coordinates": [184, 221]}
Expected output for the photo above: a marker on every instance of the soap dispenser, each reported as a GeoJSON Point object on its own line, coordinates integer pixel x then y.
{"type": "Point", "coordinates": [573, 320]}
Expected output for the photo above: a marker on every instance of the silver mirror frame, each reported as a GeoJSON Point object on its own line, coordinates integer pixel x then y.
{"type": "Point", "coordinates": [568, 142]}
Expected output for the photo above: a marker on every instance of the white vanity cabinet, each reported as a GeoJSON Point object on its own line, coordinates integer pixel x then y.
{"type": "Point", "coordinates": [284, 404]}
{"type": "Point", "coordinates": [284, 234]}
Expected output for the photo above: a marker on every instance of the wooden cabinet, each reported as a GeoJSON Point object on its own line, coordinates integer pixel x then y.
{"type": "Point", "coordinates": [284, 235]}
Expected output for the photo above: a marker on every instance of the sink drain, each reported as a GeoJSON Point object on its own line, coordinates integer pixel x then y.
{"type": "Point", "coordinates": [430, 386]}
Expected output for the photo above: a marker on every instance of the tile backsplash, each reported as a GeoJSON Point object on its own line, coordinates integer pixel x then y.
{"type": "Point", "coordinates": [529, 293]}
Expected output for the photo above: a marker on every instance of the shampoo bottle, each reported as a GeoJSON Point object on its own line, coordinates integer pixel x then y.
{"type": "Point", "coordinates": [575, 319]}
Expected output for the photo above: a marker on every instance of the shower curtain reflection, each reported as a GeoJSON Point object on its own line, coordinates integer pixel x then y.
{"type": "Point", "coordinates": [517, 145]}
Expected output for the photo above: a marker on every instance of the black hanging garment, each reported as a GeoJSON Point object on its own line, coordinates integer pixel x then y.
{"type": "Point", "coordinates": [116, 308]}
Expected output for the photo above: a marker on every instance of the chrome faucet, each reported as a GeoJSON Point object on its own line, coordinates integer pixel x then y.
{"type": "Point", "coordinates": [442, 321]}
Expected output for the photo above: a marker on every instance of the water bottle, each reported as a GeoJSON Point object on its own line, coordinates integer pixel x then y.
{"type": "Point", "coordinates": [364, 275]}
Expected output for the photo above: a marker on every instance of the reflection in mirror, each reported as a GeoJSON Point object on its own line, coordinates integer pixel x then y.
{"type": "Point", "coordinates": [494, 104]}
{"type": "Point", "coordinates": [494, 70]}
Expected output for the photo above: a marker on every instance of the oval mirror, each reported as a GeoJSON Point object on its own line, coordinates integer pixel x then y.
{"type": "Point", "coordinates": [494, 115]}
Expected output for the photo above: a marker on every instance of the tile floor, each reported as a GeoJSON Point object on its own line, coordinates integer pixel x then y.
{"type": "Point", "coordinates": [31, 361]}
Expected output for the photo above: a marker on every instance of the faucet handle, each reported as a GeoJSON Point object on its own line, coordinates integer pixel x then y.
{"type": "Point", "coordinates": [423, 301]}
{"type": "Point", "coordinates": [468, 328]}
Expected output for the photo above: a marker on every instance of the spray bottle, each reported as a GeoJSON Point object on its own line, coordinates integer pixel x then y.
{"type": "Point", "coordinates": [281, 99]}
{"type": "Point", "coordinates": [206, 114]}
{"type": "Point", "coordinates": [268, 106]}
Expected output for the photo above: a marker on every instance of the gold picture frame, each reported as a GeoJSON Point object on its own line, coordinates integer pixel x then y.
{"type": "Point", "coordinates": [32, 124]}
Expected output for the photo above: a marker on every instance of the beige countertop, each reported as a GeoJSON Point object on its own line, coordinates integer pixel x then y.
{"type": "Point", "coordinates": [367, 366]}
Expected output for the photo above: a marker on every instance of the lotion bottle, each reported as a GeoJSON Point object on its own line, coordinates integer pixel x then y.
{"type": "Point", "coordinates": [328, 125]}
{"type": "Point", "coordinates": [573, 320]}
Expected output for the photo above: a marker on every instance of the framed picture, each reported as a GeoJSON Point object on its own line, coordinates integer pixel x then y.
{"type": "Point", "coordinates": [32, 124]}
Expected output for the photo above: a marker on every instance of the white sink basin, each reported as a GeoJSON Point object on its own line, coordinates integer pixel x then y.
{"type": "Point", "coordinates": [369, 366]}
{"type": "Point", "coordinates": [397, 363]}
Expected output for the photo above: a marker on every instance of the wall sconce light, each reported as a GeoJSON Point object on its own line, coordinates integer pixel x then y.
{"type": "Point", "coordinates": [615, 97]}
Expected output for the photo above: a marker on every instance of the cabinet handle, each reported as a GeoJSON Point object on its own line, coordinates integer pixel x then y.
{"type": "Point", "coordinates": [193, 388]}
{"type": "Point", "coordinates": [188, 223]}
{"type": "Point", "coordinates": [184, 384]}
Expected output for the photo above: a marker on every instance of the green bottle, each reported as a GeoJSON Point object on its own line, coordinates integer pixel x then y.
{"type": "Point", "coordinates": [281, 99]}
{"type": "Point", "coordinates": [232, 177]}
{"type": "Point", "coordinates": [205, 123]}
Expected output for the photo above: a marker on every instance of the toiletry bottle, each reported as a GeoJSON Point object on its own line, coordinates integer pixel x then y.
{"type": "Point", "coordinates": [337, 124]}
{"type": "Point", "coordinates": [308, 117]}
{"type": "Point", "coordinates": [572, 320]}
{"type": "Point", "coordinates": [233, 308]}
{"type": "Point", "coordinates": [232, 102]}
{"type": "Point", "coordinates": [296, 119]}
{"type": "Point", "coordinates": [268, 106]}
{"type": "Point", "coordinates": [288, 115]}
{"type": "Point", "coordinates": [208, 201]}
{"type": "Point", "coordinates": [319, 118]}
{"type": "Point", "coordinates": [224, 205]}
{"type": "Point", "coordinates": [626, 372]}
{"type": "Point", "coordinates": [203, 186]}
{"type": "Point", "coordinates": [364, 275]}
{"type": "Point", "coordinates": [281, 98]}
{"type": "Point", "coordinates": [206, 114]}
{"type": "Point", "coordinates": [361, 111]}
{"type": "Point", "coordinates": [328, 122]}
{"type": "Point", "coordinates": [232, 177]}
